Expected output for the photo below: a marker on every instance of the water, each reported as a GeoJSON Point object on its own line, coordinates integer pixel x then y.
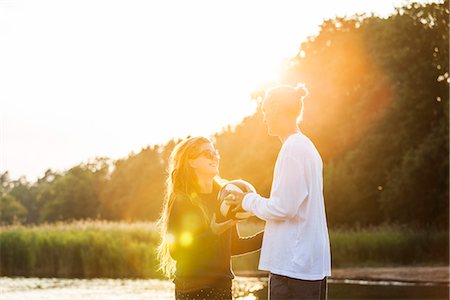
{"type": "Point", "coordinates": [244, 288]}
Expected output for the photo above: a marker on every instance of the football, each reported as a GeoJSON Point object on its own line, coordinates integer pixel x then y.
{"type": "Point", "coordinates": [238, 185]}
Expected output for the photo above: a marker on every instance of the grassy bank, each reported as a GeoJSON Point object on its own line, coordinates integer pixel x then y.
{"type": "Point", "coordinates": [373, 247]}
{"type": "Point", "coordinates": [80, 249]}
{"type": "Point", "coordinates": [105, 249]}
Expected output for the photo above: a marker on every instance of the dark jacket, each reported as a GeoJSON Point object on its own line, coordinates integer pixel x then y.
{"type": "Point", "coordinates": [202, 257]}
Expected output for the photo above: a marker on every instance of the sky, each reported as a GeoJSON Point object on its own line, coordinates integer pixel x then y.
{"type": "Point", "coordinates": [103, 78]}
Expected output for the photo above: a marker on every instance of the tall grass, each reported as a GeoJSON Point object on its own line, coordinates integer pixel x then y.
{"type": "Point", "coordinates": [389, 246]}
{"type": "Point", "coordinates": [116, 250]}
{"type": "Point", "coordinates": [372, 247]}
{"type": "Point", "coordinates": [79, 249]}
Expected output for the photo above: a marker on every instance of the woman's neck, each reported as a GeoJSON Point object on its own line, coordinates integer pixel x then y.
{"type": "Point", "coordinates": [205, 184]}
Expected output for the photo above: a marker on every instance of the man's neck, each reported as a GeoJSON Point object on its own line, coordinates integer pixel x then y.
{"type": "Point", "coordinates": [287, 133]}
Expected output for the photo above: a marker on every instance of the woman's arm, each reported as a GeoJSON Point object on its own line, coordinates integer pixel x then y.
{"type": "Point", "coordinates": [242, 245]}
{"type": "Point", "coordinates": [221, 227]}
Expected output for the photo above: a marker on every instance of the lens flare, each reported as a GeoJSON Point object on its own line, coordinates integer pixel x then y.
{"type": "Point", "coordinates": [186, 239]}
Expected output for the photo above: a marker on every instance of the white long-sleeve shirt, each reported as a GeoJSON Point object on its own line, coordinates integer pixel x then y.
{"type": "Point", "coordinates": [296, 242]}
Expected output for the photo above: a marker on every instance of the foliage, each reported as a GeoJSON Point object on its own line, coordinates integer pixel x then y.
{"type": "Point", "coordinates": [378, 112]}
{"type": "Point", "coordinates": [135, 189]}
{"type": "Point", "coordinates": [11, 210]}
{"type": "Point", "coordinates": [79, 249]}
{"type": "Point", "coordinates": [74, 195]}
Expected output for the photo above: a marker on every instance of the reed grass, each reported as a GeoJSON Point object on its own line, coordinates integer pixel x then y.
{"type": "Point", "coordinates": [100, 249]}
{"type": "Point", "coordinates": [83, 249]}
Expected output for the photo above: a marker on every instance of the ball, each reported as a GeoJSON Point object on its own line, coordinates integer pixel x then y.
{"type": "Point", "coordinates": [237, 185]}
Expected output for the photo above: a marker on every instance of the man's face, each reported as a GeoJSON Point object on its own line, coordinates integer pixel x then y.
{"type": "Point", "coordinates": [271, 116]}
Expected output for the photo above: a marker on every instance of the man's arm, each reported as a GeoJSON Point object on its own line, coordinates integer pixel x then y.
{"type": "Point", "coordinates": [288, 193]}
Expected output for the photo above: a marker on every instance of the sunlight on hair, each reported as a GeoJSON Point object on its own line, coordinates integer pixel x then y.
{"type": "Point", "coordinates": [186, 239]}
{"type": "Point", "coordinates": [170, 239]}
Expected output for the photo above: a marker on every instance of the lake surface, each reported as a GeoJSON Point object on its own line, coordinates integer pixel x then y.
{"type": "Point", "coordinates": [244, 288]}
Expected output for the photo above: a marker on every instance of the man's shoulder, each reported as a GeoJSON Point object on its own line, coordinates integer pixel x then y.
{"type": "Point", "coordinates": [301, 146]}
{"type": "Point", "coordinates": [299, 142]}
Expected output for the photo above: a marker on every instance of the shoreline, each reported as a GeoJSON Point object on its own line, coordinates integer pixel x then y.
{"type": "Point", "coordinates": [419, 274]}
{"type": "Point", "coordinates": [424, 275]}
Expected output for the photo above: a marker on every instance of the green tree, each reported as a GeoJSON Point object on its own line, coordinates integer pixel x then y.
{"type": "Point", "coordinates": [135, 190]}
{"type": "Point", "coordinates": [378, 110]}
{"type": "Point", "coordinates": [74, 195]}
{"type": "Point", "coordinates": [11, 211]}
{"type": "Point", "coordinates": [26, 194]}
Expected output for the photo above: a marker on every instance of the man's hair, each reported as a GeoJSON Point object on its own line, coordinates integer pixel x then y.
{"type": "Point", "coordinates": [288, 98]}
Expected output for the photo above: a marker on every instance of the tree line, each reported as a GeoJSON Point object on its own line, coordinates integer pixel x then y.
{"type": "Point", "coordinates": [378, 112]}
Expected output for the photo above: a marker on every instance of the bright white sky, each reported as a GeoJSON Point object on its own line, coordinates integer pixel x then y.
{"type": "Point", "coordinates": [80, 79]}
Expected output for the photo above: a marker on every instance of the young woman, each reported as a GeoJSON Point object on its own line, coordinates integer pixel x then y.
{"type": "Point", "coordinates": [196, 248]}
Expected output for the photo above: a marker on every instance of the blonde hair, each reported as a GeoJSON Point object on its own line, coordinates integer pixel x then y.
{"type": "Point", "coordinates": [181, 181]}
{"type": "Point", "coordinates": [289, 98]}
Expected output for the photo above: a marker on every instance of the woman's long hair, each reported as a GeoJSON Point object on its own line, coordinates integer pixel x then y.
{"type": "Point", "coordinates": [181, 181]}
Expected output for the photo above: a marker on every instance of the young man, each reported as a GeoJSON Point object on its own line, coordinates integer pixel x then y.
{"type": "Point", "coordinates": [296, 247]}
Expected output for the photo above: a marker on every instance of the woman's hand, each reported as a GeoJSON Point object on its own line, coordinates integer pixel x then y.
{"type": "Point", "coordinates": [235, 199]}
{"type": "Point", "coordinates": [219, 228]}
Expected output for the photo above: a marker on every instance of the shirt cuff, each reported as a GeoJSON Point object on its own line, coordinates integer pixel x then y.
{"type": "Point", "coordinates": [246, 201]}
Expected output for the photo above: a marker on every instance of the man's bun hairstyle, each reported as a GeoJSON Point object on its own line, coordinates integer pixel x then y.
{"type": "Point", "coordinates": [290, 98]}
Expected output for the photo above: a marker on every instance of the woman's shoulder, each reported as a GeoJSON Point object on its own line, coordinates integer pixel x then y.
{"type": "Point", "coordinates": [181, 200]}
{"type": "Point", "coordinates": [181, 205]}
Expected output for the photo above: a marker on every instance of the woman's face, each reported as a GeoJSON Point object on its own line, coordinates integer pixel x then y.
{"type": "Point", "coordinates": [205, 160]}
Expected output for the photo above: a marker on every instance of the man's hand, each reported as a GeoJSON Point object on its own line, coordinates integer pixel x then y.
{"type": "Point", "coordinates": [219, 228]}
{"type": "Point", "coordinates": [235, 198]}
